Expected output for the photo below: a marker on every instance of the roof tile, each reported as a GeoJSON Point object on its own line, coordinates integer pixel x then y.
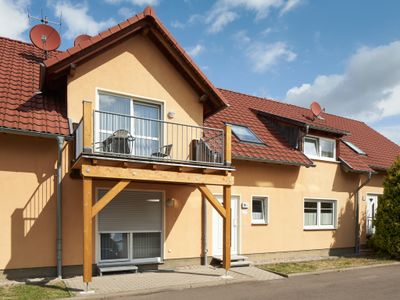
{"type": "Point", "coordinates": [20, 106]}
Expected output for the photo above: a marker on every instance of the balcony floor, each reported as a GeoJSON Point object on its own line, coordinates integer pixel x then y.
{"type": "Point", "coordinates": [148, 162]}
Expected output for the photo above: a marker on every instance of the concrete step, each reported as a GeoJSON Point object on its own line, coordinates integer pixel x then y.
{"type": "Point", "coordinates": [116, 268]}
{"type": "Point", "coordinates": [242, 263]}
{"type": "Point", "coordinates": [233, 258]}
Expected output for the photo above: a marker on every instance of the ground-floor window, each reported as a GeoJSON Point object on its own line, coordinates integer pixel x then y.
{"type": "Point", "coordinates": [133, 246]}
{"type": "Point", "coordinates": [319, 214]}
{"type": "Point", "coordinates": [259, 210]}
{"type": "Point", "coordinates": [129, 228]}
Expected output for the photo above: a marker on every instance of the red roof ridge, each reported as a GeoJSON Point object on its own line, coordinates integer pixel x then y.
{"type": "Point", "coordinates": [288, 104]}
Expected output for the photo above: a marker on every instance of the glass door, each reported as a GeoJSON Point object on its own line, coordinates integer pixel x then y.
{"type": "Point", "coordinates": [114, 116]}
{"type": "Point", "coordinates": [147, 129]}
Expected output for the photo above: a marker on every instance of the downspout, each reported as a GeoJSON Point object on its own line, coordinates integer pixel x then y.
{"type": "Point", "coordinates": [357, 212]}
{"type": "Point", "coordinates": [60, 144]}
{"type": "Point", "coordinates": [204, 230]}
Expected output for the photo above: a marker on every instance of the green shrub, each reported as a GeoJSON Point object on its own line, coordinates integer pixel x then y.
{"type": "Point", "coordinates": [387, 222]}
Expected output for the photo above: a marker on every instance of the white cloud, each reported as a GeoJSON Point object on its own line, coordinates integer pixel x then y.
{"type": "Point", "coordinates": [263, 56]}
{"type": "Point", "coordinates": [177, 24]}
{"type": "Point", "coordinates": [13, 18]}
{"type": "Point", "coordinates": [241, 38]}
{"type": "Point", "coordinates": [290, 5]}
{"type": "Point", "coordinates": [217, 20]}
{"type": "Point", "coordinates": [78, 21]}
{"type": "Point", "coordinates": [126, 12]}
{"type": "Point", "coordinates": [144, 2]}
{"type": "Point", "coordinates": [134, 2]}
{"type": "Point", "coordinates": [368, 89]}
{"type": "Point", "coordinates": [224, 12]}
{"type": "Point", "coordinates": [392, 132]}
{"type": "Point", "coordinates": [195, 50]}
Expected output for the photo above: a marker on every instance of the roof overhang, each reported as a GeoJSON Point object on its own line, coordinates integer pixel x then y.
{"type": "Point", "coordinates": [272, 161]}
{"type": "Point", "coordinates": [348, 168]}
{"type": "Point", "coordinates": [329, 130]}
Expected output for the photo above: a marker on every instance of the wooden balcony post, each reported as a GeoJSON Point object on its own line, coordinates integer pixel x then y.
{"type": "Point", "coordinates": [87, 230]}
{"type": "Point", "coordinates": [87, 126]}
{"type": "Point", "coordinates": [228, 145]}
{"type": "Point", "coordinates": [227, 228]}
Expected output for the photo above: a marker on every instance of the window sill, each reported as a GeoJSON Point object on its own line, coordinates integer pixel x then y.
{"type": "Point", "coordinates": [324, 159]}
{"type": "Point", "coordinates": [259, 223]}
{"type": "Point", "coordinates": [318, 228]}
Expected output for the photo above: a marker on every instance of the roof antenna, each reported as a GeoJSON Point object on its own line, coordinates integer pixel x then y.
{"type": "Point", "coordinates": [43, 35]}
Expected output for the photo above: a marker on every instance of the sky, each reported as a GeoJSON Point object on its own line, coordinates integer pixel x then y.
{"type": "Point", "coordinates": [344, 54]}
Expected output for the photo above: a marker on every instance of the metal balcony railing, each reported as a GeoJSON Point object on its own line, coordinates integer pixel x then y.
{"type": "Point", "coordinates": [127, 136]}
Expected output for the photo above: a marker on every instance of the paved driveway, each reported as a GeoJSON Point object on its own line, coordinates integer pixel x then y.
{"type": "Point", "coordinates": [372, 283]}
{"type": "Point", "coordinates": [166, 280]}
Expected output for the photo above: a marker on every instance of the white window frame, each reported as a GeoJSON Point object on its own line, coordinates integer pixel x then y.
{"type": "Point", "coordinates": [319, 226]}
{"type": "Point", "coordinates": [319, 156]}
{"type": "Point", "coordinates": [265, 200]}
{"type": "Point", "coordinates": [132, 100]}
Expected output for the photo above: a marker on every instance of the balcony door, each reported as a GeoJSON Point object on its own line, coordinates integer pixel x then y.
{"type": "Point", "coordinates": [140, 119]}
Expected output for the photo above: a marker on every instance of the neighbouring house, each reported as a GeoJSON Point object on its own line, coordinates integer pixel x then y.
{"type": "Point", "coordinates": [119, 152]}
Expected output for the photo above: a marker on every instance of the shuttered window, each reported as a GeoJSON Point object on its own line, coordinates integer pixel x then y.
{"type": "Point", "coordinates": [132, 211]}
{"type": "Point", "coordinates": [132, 220]}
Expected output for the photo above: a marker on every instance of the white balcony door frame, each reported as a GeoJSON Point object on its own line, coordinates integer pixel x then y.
{"type": "Point", "coordinates": [133, 99]}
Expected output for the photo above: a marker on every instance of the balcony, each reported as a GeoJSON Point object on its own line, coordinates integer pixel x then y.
{"type": "Point", "coordinates": [123, 137]}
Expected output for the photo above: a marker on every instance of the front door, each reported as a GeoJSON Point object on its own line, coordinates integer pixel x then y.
{"type": "Point", "coordinates": [372, 204]}
{"type": "Point", "coordinates": [218, 228]}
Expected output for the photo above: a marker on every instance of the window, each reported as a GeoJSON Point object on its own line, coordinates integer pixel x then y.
{"type": "Point", "coordinates": [244, 134]}
{"type": "Point", "coordinates": [354, 148]}
{"type": "Point", "coordinates": [320, 148]}
{"type": "Point", "coordinates": [319, 214]}
{"type": "Point", "coordinates": [114, 246]}
{"type": "Point", "coordinates": [259, 210]}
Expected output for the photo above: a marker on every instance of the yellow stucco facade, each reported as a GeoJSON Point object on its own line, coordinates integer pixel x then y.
{"type": "Point", "coordinates": [138, 69]}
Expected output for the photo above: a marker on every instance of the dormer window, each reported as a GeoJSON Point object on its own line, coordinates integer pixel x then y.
{"type": "Point", "coordinates": [354, 148]}
{"type": "Point", "coordinates": [320, 148]}
{"type": "Point", "coordinates": [244, 134]}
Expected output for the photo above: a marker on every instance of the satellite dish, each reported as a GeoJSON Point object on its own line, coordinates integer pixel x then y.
{"type": "Point", "coordinates": [316, 110]}
{"type": "Point", "coordinates": [45, 37]}
{"type": "Point", "coordinates": [81, 38]}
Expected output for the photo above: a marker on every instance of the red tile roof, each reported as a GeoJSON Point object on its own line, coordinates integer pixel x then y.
{"type": "Point", "coordinates": [243, 109]}
{"type": "Point", "coordinates": [20, 108]}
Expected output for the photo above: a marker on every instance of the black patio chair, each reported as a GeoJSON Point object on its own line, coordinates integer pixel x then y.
{"type": "Point", "coordinates": [163, 152]}
{"type": "Point", "coordinates": [121, 142]}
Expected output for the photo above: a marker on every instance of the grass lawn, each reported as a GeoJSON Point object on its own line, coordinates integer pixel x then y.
{"type": "Point", "coordinates": [34, 291]}
{"type": "Point", "coordinates": [325, 264]}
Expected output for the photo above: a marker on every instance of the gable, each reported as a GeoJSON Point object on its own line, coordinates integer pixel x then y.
{"type": "Point", "coordinates": [136, 68]}
{"type": "Point", "coordinates": [147, 24]}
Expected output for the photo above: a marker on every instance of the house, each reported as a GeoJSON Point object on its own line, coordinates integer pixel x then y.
{"type": "Point", "coordinates": [120, 152]}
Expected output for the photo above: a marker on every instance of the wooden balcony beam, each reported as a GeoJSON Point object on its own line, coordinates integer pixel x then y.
{"type": "Point", "coordinates": [107, 172]}
{"type": "Point", "coordinates": [109, 196]}
{"type": "Point", "coordinates": [213, 201]}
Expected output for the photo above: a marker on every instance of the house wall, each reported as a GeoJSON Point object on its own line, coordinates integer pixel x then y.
{"type": "Point", "coordinates": [286, 188]}
{"type": "Point", "coordinates": [28, 207]}
{"type": "Point", "coordinates": [27, 201]}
